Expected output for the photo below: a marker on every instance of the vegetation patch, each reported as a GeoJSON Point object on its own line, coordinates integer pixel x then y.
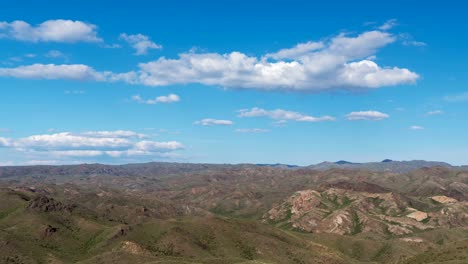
{"type": "Point", "coordinates": [8, 212]}
{"type": "Point", "coordinates": [246, 251]}
{"type": "Point", "coordinates": [357, 224]}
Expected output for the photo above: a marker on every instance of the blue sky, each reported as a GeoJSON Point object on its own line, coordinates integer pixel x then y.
{"type": "Point", "coordinates": [232, 81]}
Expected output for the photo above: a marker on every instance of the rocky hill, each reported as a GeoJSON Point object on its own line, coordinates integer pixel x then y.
{"type": "Point", "coordinates": [346, 211]}
{"type": "Point", "coordinates": [202, 213]}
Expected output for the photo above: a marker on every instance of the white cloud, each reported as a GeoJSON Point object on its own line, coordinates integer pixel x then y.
{"type": "Point", "coordinates": [170, 98]}
{"type": "Point", "coordinates": [297, 51]}
{"type": "Point", "coordinates": [90, 144]}
{"type": "Point", "coordinates": [54, 72]}
{"type": "Point", "coordinates": [67, 140]}
{"type": "Point", "coordinates": [77, 72]}
{"type": "Point", "coordinates": [21, 58]}
{"type": "Point", "coordinates": [252, 130]}
{"type": "Point", "coordinates": [77, 153]}
{"type": "Point", "coordinates": [42, 162]}
{"type": "Point", "coordinates": [462, 97]}
{"type": "Point", "coordinates": [116, 134]}
{"type": "Point", "coordinates": [55, 54]}
{"type": "Point", "coordinates": [389, 24]}
{"type": "Point", "coordinates": [59, 30]}
{"type": "Point", "coordinates": [282, 115]}
{"type": "Point", "coordinates": [140, 43]}
{"type": "Point", "coordinates": [408, 40]}
{"type": "Point", "coordinates": [340, 64]}
{"type": "Point", "coordinates": [367, 115]}
{"type": "Point", "coordinates": [5, 142]}
{"type": "Point", "coordinates": [414, 43]}
{"type": "Point", "coordinates": [112, 46]}
{"type": "Point", "coordinates": [154, 146]}
{"type": "Point", "coordinates": [416, 127]}
{"type": "Point", "coordinates": [435, 112]}
{"type": "Point", "coordinates": [369, 74]}
{"type": "Point", "coordinates": [213, 122]}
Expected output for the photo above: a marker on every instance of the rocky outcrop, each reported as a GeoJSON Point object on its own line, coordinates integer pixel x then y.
{"type": "Point", "coordinates": [418, 216]}
{"type": "Point", "coordinates": [412, 239]}
{"type": "Point", "coordinates": [133, 248]}
{"type": "Point", "coordinates": [345, 211]}
{"type": "Point", "coordinates": [47, 204]}
{"type": "Point", "coordinates": [443, 199]}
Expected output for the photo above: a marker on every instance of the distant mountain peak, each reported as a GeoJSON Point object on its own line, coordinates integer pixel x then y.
{"type": "Point", "coordinates": [387, 160]}
{"type": "Point", "coordinates": [341, 162]}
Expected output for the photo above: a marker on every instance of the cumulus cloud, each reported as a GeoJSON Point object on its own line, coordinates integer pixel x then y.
{"type": "Point", "coordinates": [435, 112]}
{"type": "Point", "coordinates": [117, 143]}
{"type": "Point", "coordinates": [67, 140]}
{"type": "Point", "coordinates": [343, 62]}
{"type": "Point", "coordinates": [282, 115]}
{"type": "Point", "coordinates": [252, 130]}
{"type": "Point", "coordinates": [416, 127]}
{"type": "Point", "coordinates": [165, 99]}
{"type": "Point", "coordinates": [140, 43]}
{"type": "Point", "coordinates": [59, 30]}
{"type": "Point", "coordinates": [367, 115]}
{"type": "Point", "coordinates": [339, 63]}
{"type": "Point", "coordinates": [213, 122]}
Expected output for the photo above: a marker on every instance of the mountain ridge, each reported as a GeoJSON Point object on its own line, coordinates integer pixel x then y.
{"type": "Point", "coordinates": [178, 167]}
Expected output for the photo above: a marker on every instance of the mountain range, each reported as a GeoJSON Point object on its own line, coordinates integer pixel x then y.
{"type": "Point", "coordinates": [341, 212]}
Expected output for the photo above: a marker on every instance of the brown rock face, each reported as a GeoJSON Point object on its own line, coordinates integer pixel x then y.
{"type": "Point", "coordinates": [443, 199]}
{"type": "Point", "coordinates": [349, 212]}
{"type": "Point", "coordinates": [46, 204]}
{"type": "Point", "coordinates": [418, 216]}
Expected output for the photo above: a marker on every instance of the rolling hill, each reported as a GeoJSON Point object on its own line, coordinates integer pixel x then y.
{"type": "Point", "coordinates": [246, 213]}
